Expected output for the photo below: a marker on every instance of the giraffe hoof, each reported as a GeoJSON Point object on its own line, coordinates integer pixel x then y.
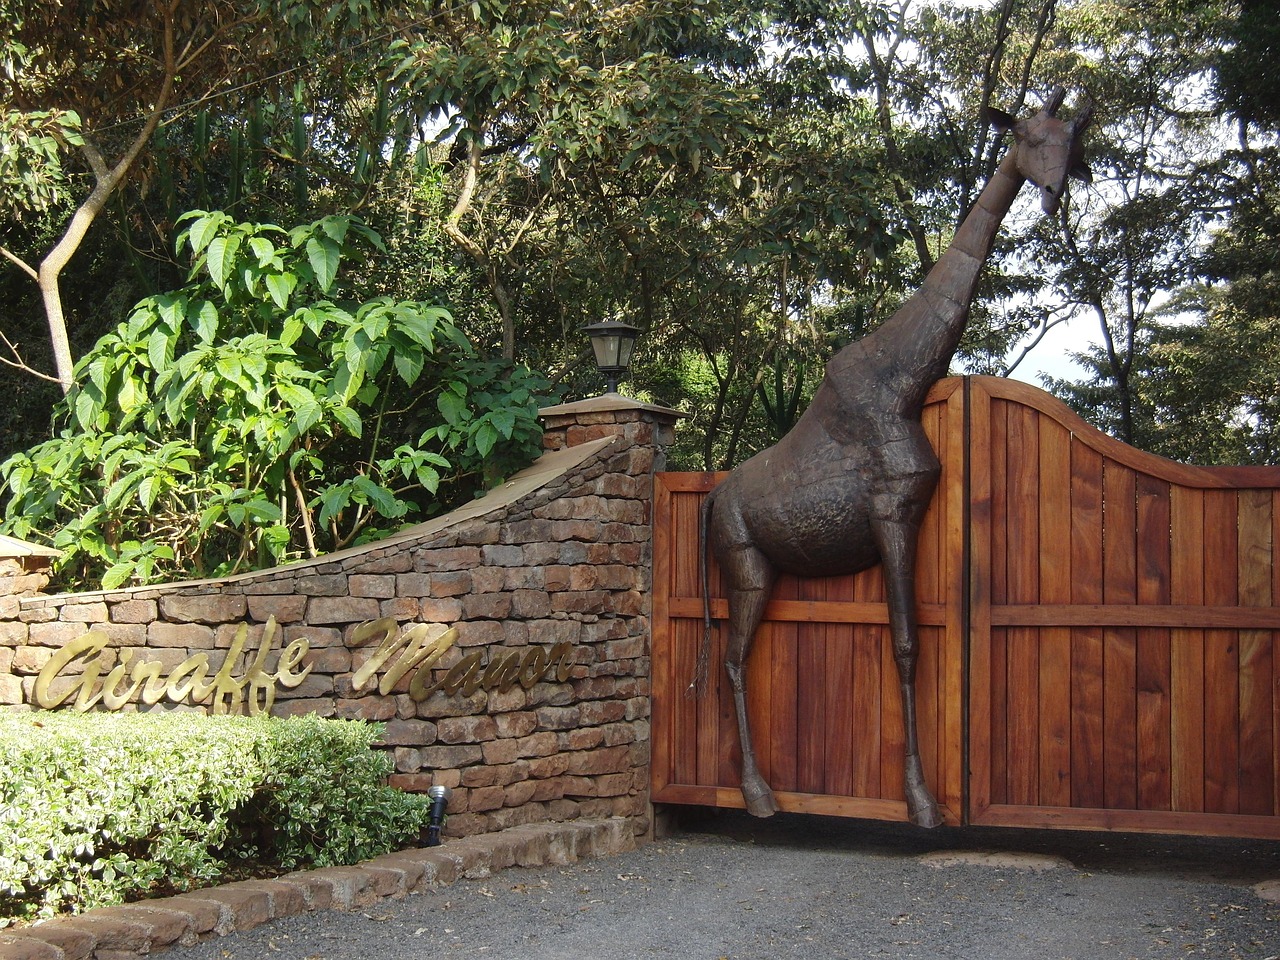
{"type": "Point", "coordinates": [926, 816]}
{"type": "Point", "coordinates": [922, 809]}
{"type": "Point", "coordinates": [760, 799]}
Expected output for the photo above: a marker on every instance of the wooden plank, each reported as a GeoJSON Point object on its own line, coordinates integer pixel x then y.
{"type": "Point", "coordinates": [1187, 655]}
{"type": "Point", "coordinates": [840, 734]}
{"type": "Point", "coordinates": [662, 652]}
{"type": "Point", "coordinates": [1119, 666]}
{"type": "Point", "coordinates": [1086, 644]}
{"type": "Point", "coordinates": [981, 734]}
{"type": "Point", "coordinates": [952, 713]}
{"type": "Point", "coordinates": [811, 696]}
{"type": "Point", "coordinates": [783, 609]}
{"type": "Point", "coordinates": [892, 737]}
{"type": "Point", "coordinates": [1221, 657]}
{"type": "Point", "coordinates": [1055, 587]}
{"type": "Point", "coordinates": [866, 712]}
{"type": "Point", "coordinates": [1168, 616]}
{"type": "Point", "coordinates": [1254, 544]}
{"type": "Point", "coordinates": [1133, 821]}
{"type": "Point", "coordinates": [783, 719]}
{"type": "Point", "coordinates": [1154, 758]}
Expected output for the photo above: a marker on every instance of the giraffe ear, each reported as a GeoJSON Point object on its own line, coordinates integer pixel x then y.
{"type": "Point", "coordinates": [1081, 172]}
{"type": "Point", "coordinates": [999, 119]}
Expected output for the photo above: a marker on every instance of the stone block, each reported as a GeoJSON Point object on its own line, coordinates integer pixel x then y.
{"type": "Point", "coordinates": [475, 729]}
{"type": "Point", "coordinates": [530, 604]}
{"type": "Point", "coordinates": [452, 757]}
{"type": "Point", "coordinates": [413, 585]}
{"type": "Point", "coordinates": [552, 765]}
{"type": "Point", "coordinates": [287, 609]}
{"type": "Point", "coordinates": [456, 583]}
{"type": "Point", "coordinates": [491, 579]}
{"type": "Point", "coordinates": [240, 909]}
{"type": "Point", "coordinates": [400, 609]}
{"type": "Point", "coordinates": [583, 738]}
{"type": "Point", "coordinates": [54, 634]}
{"type": "Point", "coordinates": [501, 751]}
{"type": "Point", "coordinates": [519, 793]}
{"type": "Point", "coordinates": [515, 724]}
{"type": "Point", "coordinates": [371, 708]}
{"type": "Point", "coordinates": [341, 888]}
{"type": "Point", "coordinates": [167, 926]}
{"type": "Point", "coordinates": [486, 606]}
{"type": "Point", "coordinates": [187, 636]}
{"type": "Point", "coordinates": [441, 611]}
{"type": "Point", "coordinates": [322, 585]}
{"type": "Point", "coordinates": [562, 718]}
{"type": "Point", "coordinates": [447, 558]}
{"type": "Point", "coordinates": [200, 915]}
{"type": "Point", "coordinates": [395, 560]}
{"type": "Point", "coordinates": [30, 659]}
{"type": "Point", "coordinates": [333, 609]}
{"type": "Point", "coordinates": [379, 586]}
{"type": "Point", "coordinates": [541, 744]}
{"type": "Point", "coordinates": [23, 947]}
{"type": "Point", "coordinates": [10, 690]}
{"type": "Point", "coordinates": [134, 611]}
{"type": "Point", "coordinates": [212, 609]}
{"type": "Point", "coordinates": [502, 555]}
{"type": "Point", "coordinates": [413, 872]}
{"type": "Point", "coordinates": [409, 733]}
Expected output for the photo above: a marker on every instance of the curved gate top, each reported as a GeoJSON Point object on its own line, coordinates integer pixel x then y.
{"type": "Point", "coordinates": [1098, 641]}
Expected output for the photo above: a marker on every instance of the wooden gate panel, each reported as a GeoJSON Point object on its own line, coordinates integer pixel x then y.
{"type": "Point", "coordinates": [1153, 628]}
{"type": "Point", "coordinates": [822, 683]}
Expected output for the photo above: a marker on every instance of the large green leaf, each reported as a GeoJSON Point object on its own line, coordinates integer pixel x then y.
{"type": "Point", "coordinates": [324, 255]}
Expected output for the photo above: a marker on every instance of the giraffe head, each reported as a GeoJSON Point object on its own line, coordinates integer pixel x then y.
{"type": "Point", "coordinates": [1046, 149]}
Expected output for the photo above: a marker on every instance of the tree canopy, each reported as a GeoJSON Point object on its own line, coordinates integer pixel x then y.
{"type": "Point", "coordinates": [753, 183]}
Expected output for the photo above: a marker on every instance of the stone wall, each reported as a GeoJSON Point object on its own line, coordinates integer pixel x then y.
{"type": "Point", "coordinates": [541, 705]}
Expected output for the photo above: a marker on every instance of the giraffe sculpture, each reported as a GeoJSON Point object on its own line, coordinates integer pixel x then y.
{"type": "Point", "coordinates": [848, 486]}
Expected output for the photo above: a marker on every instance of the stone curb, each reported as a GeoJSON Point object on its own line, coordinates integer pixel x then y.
{"type": "Point", "coordinates": [133, 930]}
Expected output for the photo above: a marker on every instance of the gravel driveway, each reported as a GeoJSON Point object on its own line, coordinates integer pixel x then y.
{"type": "Point", "coordinates": [728, 886]}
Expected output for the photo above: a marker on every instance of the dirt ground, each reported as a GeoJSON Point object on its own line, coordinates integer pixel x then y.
{"type": "Point", "coordinates": [728, 886]}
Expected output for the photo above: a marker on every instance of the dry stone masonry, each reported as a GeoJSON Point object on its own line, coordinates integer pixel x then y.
{"type": "Point", "coordinates": [504, 646]}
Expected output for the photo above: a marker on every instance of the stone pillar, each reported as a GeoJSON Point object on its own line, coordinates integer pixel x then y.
{"type": "Point", "coordinates": [643, 424]}
{"type": "Point", "coordinates": [24, 572]}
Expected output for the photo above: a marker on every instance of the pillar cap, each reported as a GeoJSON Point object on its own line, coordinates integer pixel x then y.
{"type": "Point", "coordinates": [609, 403]}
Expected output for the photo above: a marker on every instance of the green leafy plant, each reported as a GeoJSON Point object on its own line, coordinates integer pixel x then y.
{"type": "Point", "coordinates": [262, 413]}
{"type": "Point", "coordinates": [97, 809]}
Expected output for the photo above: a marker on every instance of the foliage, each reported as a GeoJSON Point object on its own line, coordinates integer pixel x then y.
{"type": "Point", "coordinates": [96, 809]}
{"type": "Point", "coordinates": [258, 414]}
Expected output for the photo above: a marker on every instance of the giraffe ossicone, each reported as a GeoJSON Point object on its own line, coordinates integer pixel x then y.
{"type": "Point", "coordinates": [848, 486]}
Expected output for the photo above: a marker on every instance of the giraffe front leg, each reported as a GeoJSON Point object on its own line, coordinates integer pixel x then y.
{"type": "Point", "coordinates": [752, 579]}
{"type": "Point", "coordinates": [897, 542]}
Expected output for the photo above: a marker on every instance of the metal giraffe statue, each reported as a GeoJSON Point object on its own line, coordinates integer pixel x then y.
{"type": "Point", "coordinates": [848, 487]}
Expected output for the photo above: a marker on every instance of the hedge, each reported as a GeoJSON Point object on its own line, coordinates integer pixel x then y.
{"type": "Point", "coordinates": [97, 809]}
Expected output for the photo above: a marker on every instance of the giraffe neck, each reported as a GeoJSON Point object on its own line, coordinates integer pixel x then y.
{"type": "Point", "coordinates": [925, 331]}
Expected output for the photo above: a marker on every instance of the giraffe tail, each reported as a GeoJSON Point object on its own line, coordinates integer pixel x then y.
{"type": "Point", "coordinates": [703, 668]}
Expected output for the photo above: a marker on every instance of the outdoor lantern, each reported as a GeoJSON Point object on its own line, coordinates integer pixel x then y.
{"type": "Point", "coordinates": [612, 341]}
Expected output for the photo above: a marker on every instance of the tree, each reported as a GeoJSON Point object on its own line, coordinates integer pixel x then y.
{"type": "Point", "coordinates": [90, 85]}
{"type": "Point", "coordinates": [259, 414]}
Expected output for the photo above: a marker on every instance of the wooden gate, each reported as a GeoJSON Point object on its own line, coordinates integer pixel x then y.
{"type": "Point", "coordinates": [1098, 642]}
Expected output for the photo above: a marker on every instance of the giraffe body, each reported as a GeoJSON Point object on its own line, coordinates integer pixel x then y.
{"type": "Point", "coordinates": [848, 486]}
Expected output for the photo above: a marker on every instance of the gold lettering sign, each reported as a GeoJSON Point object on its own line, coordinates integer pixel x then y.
{"type": "Point", "coordinates": [190, 680]}
{"type": "Point", "coordinates": [413, 651]}
{"type": "Point", "coordinates": [421, 646]}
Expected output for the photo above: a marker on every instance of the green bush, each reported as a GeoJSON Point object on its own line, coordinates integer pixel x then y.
{"type": "Point", "coordinates": [97, 809]}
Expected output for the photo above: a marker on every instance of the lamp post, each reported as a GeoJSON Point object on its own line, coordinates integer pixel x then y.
{"type": "Point", "coordinates": [612, 341]}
